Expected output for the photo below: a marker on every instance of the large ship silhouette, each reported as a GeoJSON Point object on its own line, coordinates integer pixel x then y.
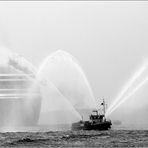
{"type": "Point", "coordinates": [97, 121]}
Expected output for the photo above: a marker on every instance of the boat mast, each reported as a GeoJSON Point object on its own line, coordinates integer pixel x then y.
{"type": "Point", "coordinates": [104, 109]}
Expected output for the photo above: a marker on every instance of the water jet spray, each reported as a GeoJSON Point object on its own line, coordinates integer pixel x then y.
{"type": "Point", "coordinates": [129, 95]}
{"type": "Point", "coordinates": [127, 86]}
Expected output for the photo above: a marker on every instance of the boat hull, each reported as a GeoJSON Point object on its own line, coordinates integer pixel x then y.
{"type": "Point", "coordinates": [106, 125]}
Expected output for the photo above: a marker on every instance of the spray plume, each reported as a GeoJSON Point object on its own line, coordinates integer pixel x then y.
{"type": "Point", "coordinates": [129, 95]}
{"type": "Point", "coordinates": [64, 71]}
{"type": "Point", "coordinates": [127, 86]}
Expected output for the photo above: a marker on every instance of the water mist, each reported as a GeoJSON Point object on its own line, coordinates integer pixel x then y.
{"type": "Point", "coordinates": [19, 92]}
{"type": "Point", "coordinates": [134, 84]}
{"type": "Point", "coordinates": [64, 72]}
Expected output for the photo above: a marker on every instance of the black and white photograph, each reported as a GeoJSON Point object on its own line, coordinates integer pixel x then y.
{"type": "Point", "coordinates": [73, 73]}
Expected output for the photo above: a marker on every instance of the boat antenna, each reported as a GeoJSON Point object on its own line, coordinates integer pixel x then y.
{"type": "Point", "coordinates": [82, 117]}
{"type": "Point", "coordinates": [104, 109]}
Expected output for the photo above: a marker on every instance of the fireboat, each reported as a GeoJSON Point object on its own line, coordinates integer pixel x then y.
{"type": "Point", "coordinates": [97, 121]}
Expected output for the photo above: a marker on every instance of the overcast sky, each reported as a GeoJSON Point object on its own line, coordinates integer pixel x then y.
{"type": "Point", "coordinates": [109, 39]}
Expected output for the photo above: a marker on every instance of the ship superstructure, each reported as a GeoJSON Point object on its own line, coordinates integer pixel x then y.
{"type": "Point", "coordinates": [97, 121]}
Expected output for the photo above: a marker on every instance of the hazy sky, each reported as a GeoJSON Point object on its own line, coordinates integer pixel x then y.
{"type": "Point", "coordinates": [108, 38]}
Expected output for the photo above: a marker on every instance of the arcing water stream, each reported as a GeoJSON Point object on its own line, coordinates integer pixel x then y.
{"type": "Point", "coordinates": [60, 87]}
{"type": "Point", "coordinates": [66, 75]}
{"type": "Point", "coordinates": [134, 84]}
